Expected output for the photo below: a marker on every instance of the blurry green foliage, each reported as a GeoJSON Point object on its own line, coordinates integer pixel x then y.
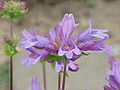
{"type": "Point", "coordinates": [10, 47]}
{"type": "Point", "coordinates": [4, 75]}
{"type": "Point", "coordinates": [12, 10]}
{"type": "Point", "coordinates": [10, 50]}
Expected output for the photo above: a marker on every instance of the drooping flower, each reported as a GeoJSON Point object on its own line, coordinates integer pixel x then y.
{"type": "Point", "coordinates": [33, 39]}
{"type": "Point", "coordinates": [35, 84]}
{"type": "Point", "coordinates": [90, 34]}
{"type": "Point", "coordinates": [35, 56]}
{"type": "Point", "coordinates": [95, 46]}
{"type": "Point", "coordinates": [113, 75]}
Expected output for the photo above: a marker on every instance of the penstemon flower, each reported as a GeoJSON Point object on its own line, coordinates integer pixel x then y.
{"type": "Point", "coordinates": [113, 75]}
{"type": "Point", "coordinates": [58, 44]}
{"type": "Point", "coordinates": [35, 84]}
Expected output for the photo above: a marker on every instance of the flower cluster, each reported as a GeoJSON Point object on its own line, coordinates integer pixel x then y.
{"type": "Point", "coordinates": [59, 45]}
{"type": "Point", "coordinates": [12, 9]}
{"type": "Point", "coordinates": [113, 75]}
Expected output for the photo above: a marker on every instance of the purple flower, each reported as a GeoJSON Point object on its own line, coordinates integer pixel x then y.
{"type": "Point", "coordinates": [59, 65]}
{"type": "Point", "coordinates": [1, 5]}
{"type": "Point", "coordinates": [23, 4]}
{"type": "Point", "coordinates": [68, 48]}
{"type": "Point", "coordinates": [107, 88]}
{"type": "Point", "coordinates": [95, 46]}
{"type": "Point", "coordinates": [68, 25]}
{"type": "Point", "coordinates": [35, 85]}
{"type": "Point", "coordinates": [59, 41]}
{"type": "Point", "coordinates": [114, 75]}
{"type": "Point", "coordinates": [35, 56]}
{"type": "Point", "coordinates": [33, 39]}
{"type": "Point", "coordinates": [90, 33]}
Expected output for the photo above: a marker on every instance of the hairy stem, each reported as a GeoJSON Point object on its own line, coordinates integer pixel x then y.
{"type": "Point", "coordinates": [11, 57]}
{"type": "Point", "coordinates": [59, 80]}
{"type": "Point", "coordinates": [44, 77]}
{"type": "Point", "coordinates": [64, 75]}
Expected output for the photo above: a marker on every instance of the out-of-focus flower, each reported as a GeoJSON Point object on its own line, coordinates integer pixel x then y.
{"type": "Point", "coordinates": [35, 84]}
{"type": "Point", "coordinates": [12, 9]}
{"type": "Point", "coordinates": [1, 5]}
{"type": "Point", "coordinates": [6, 39]}
{"type": "Point", "coordinates": [23, 4]}
{"type": "Point", "coordinates": [61, 45]}
{"type": "Point", "coordinates": [113, 75]}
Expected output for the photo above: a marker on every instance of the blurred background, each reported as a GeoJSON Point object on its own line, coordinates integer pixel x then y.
{"type": "Point", "coordinates": [45, 14]}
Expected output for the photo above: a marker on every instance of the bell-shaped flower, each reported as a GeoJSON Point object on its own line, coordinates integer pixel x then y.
{"type": "Point", "coordinates": [68, 48]}
{"type": "Point", "coordinates": [113, 75]}
{"type": "Point", "coordinates": [35, 84]}
{"type": "Point", "coordinates": [68, 25]}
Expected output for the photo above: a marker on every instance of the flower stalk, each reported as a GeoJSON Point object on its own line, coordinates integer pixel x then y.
{"type": "Point", "coordinates": [11, 57]}
{"type": "Point", "coordinates": [64, 75]}
{"type": "Point", "coordinates": [44, 77]}
{"type": "Point", "coordinates": [59, 80]}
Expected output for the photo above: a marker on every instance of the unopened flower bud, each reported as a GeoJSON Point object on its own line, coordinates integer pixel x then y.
{"type": "Point", "coordinates": [6, 38]}
{"type": "Point", "coordinates": [23, 4]}
{"type": "Point", "coordinates": [1, 5]}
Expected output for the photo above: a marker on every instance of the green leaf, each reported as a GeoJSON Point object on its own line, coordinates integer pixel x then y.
{"type": "Point", "coordinates": [54, 57]}
{"type": "Point", "coordinates": [84, 54]}
{"type": "Point", "coordinates": [10, 50]}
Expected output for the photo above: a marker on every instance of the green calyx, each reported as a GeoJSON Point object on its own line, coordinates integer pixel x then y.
{"type": "Point", "coordinates": [11, 47]}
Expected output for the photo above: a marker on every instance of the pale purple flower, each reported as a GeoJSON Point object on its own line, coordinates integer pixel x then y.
{"type": "Point", "coordinates": [90, 33]}
{"type": "Point", "coordinates": [59, 66]}
{"type": "Point", "coordinates": [108, 88]}
{"type": "Point", "coordinates": [68, 25]}
{"type": "Point", "coordinates": [95, 46]}
{"type": "Point", "coordinates": [113, 75]}
{"type": "Point", "coordinates": [23, 4]}
{"type": "Point", "coordinates": [68, 48]}
{"type": "Point", "coordinates": [35, 84]}
{"type": "Point", "coordinates": [35, 56]}
{"type": "Point", "coordinates": [33, 39]}
{"type": "Point", "coordinates": [59, 41]}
